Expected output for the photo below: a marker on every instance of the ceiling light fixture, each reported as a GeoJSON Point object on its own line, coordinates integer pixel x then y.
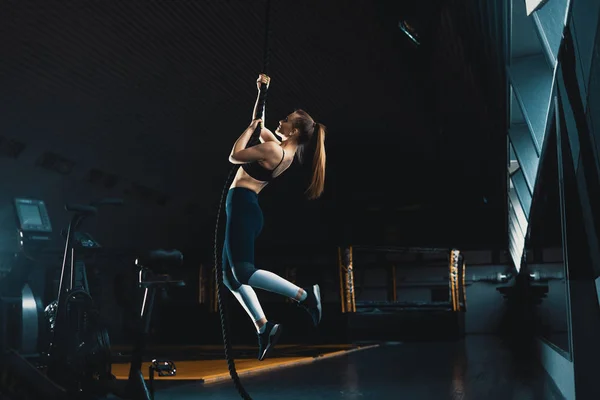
{"type": "Point", "coordinates": [410, 32]}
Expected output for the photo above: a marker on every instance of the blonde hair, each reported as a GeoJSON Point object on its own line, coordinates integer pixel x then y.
{"type": "Point", "coordinates": [307, 128]}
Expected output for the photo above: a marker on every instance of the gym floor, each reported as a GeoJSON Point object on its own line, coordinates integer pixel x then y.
{"type": "Point", "coordinates": [479, 367]}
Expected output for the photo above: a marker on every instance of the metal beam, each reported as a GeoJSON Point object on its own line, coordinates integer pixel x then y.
{"type": "Point", "coordinates": [516, 115]}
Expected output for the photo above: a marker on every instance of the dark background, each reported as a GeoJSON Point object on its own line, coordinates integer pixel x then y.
{"type": "Point", "coordinates": [145, 99]}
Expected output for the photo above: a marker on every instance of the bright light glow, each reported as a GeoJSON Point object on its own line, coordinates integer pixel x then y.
{"type": "Point", "coordinates": [28, 303]}
{"type": "Point", "coordinates": [532, 5]}
{"type": "Point", "coordinates": [535, 275]}
{"type": "Point", "coordinates": [21, 243]}
{"type": "Point", "coordinates": [409, 31]}
{"type": "Point", "coordinates": [21, 233]}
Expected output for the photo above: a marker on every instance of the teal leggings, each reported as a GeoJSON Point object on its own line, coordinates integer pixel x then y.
{"type": "Point", "coordinates": [244, 224]}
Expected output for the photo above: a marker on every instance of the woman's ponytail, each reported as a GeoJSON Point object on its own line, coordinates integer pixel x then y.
{"type": "Point", "coordinates": [317, 182]}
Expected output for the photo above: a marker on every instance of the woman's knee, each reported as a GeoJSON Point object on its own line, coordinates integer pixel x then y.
{"type": "Point", "coordinates": [243, 271]}
{"type": "Point", "coordinates": [229, 280]}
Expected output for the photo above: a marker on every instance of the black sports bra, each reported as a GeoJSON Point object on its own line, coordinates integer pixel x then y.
{"type": "Point", "coordinates": [260, 173]}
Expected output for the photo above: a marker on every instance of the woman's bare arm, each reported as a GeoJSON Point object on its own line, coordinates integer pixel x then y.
{"type": "Point", "coordinates": [260, 152]}
{"type": "Point", "coordinates": [268, 136]}
{"type": "Point", "coordinates": [265, 134]}
{"type": "Point", "coordinates": [240, 154]}
{"type": "Point", "coordinates": [254, 111]}
{"type": "Point", "coordinates": [242, 141]}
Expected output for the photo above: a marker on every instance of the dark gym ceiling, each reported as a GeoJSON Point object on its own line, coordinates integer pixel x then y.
{"type": "Point", "coordinates": [145, 99]}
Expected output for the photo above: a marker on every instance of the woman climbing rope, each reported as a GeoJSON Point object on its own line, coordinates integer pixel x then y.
{"type": "Point", "coordinates": [261, 164]}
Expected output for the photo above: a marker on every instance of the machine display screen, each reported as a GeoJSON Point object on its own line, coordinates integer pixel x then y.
{"type": "Point", "coordinates": [30, 214]}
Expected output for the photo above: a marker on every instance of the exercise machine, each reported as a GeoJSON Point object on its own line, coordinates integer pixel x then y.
{"type": "Point", "coordinates": [21, 366]}
{"type": "Point", "coordinates": [21, 305]}
{"type": "Point", "coordinates": [77, 364]}
{"type": "Point", "coordinates": [79, 356]}
{"type": "Point", "coordinates": [152, 274]}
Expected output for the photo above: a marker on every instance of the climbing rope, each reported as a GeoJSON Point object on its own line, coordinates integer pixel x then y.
{"type": "Point", "coordinates": [254, 139]}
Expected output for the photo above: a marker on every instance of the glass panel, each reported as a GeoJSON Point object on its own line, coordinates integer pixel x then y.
{"type": "Point", "coordinates": [513, 155]}
{"type": "Point", "coordinates": [582, 243]}
{"type": "Point", "coordinates": [584, 16]}
{"type": "Point", "coordinates": [513, 235]}
{"type": "Point", "coordinates": [593, 106]}
{"type": "Point", "coordinates": [587, 168]}
{"type": "Point", "coordinates": [518, 180]}
{"type": "Point", "coordinates": [532, 81]}
{"type": "Point", "coordinates": [525, 151]}
{"type": "Point", "coordinates": [513, 165]}
{"type": "Point", "coordinates": [516, 238]}
{"type": "Point", "coordinates": [514, 256]}
{"type": "Point", "coordinates": [550, 20]}
{"type": "Point", "coordinates": [518, 210]}
{"type": "Point", "coordinates": [569, 120]}
{"type": "Point", "coordinates": [514, 225]}
{"type": "Point", "coordinates": [545, 241]}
